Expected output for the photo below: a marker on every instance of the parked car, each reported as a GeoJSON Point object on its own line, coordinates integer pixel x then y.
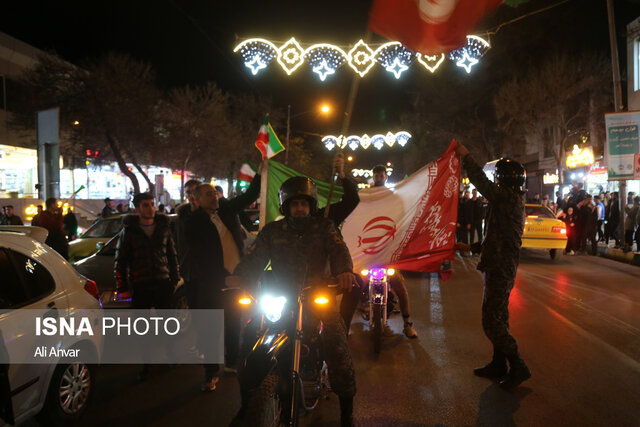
{"type": "Point", "coordinates": [34, 276]}
{"type": "Point", "coordinates": [97, 235]}
{"type": "Point", "coordinates": [99, 267]}
{"type": "Point", "coordinates": [543, 231]}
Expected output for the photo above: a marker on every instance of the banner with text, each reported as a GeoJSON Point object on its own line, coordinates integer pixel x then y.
{"type": "Point", "coordinates": [623, 142]}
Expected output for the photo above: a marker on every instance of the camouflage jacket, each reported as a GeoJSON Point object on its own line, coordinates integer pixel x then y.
{"type": "Point", "coordinates": [504, 223]}
{"type": "Point", "coordinates": [296, 251]}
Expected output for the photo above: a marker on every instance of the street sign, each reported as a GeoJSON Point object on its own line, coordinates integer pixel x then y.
{"type": "Point", "coordinates": [623, 142]}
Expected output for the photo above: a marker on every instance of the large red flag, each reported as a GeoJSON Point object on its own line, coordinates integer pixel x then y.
{"type": "Point", "coordinates": [412, 226]}
{"type": "Point", "coordinates": [428, 26]}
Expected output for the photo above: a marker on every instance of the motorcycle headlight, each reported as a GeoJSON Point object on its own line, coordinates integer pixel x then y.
{"type": "Point", "coordinates": [272, 307]}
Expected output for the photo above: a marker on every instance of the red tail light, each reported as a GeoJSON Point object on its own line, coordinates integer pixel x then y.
{"type": "Point", "coordinates": [91, 287]}
{"type": "Point", "coordinates": [561, 230]}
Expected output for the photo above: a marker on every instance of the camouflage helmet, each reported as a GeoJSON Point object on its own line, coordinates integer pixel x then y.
{"type": "Point", "coordinates": [295, 188]}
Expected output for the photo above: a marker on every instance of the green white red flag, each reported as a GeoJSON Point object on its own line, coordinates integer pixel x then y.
{"type": "Point", "coordinates": [246, 172]}
{"type": "Point", "coordinates": [267, 141]}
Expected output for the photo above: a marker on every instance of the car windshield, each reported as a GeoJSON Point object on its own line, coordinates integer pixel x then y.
{"type": "Point", "coordinates": [104, 228]}
{"type": "Point", "coordinates": [539, 211]}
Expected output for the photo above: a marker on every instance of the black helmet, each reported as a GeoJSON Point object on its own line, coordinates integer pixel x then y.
{"type": "Point", "coordinates": [511, 174]}
{"type": "Point", "coordinates": [298, 187]}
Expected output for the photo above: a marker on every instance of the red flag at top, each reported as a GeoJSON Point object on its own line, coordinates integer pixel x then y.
{"type": "Point", "coordinates": [428, 26]}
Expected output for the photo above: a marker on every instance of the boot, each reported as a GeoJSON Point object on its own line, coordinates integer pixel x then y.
{"type": "Point", "coordinates": [497, 368]}
{"type": "Point", "coordinates": [518, 373]}
{"type": "Point", "coordinates": [346, 411]}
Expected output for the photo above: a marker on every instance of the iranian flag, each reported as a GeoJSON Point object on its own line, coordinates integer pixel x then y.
{"type": "Point", "coordinates": [267, 141]}
{"type": "Point", "coordinates": [246, 173]}
{"type": "Point", "coordinates": [429, 26]}
{"type": "Point", "coordinates": [411, 226]}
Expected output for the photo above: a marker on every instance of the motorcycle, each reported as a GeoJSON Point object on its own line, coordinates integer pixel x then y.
{"type": "Point", "coordinates": [380, 303]}
{"type": "Point", "coordinates": [284, 371]}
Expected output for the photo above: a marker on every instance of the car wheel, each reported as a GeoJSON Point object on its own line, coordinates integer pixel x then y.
{"type": "Point", "coordinates": [69, 394]}
{"type": "Point", "coordinates": [554, 254]}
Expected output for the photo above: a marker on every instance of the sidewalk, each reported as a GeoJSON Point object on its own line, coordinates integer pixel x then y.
{"type": "Point", "coordinates": [630, 257]}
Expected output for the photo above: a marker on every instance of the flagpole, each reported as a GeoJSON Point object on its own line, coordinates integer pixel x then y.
{"type": "Point", "coordinates": [264, 186]}
{"type": "Point", "coordinates": [353, 92]}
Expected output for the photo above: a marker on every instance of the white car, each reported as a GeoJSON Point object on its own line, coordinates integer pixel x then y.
{"type": "Point", "coordinates": [34, 276]}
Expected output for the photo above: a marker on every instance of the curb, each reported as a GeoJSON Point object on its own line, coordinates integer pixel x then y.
{"type": "Point", "coordinates": [619, 255]}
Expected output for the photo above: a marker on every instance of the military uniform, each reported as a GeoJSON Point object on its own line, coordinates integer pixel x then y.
{"type": "Point", "coordinates": [500, 256]}
{"type": "Point", "coordinates": [298, 250]}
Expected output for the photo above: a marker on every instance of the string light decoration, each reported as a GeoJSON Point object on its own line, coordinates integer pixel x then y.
{"type": "Point", "coordinates": [469, 55]}
{"type": "Point", "coordinates": [365, 141]}
{"type": "Point", "coordinates": [395, 58]}
{"type": "Point", "coordinates": [431, 63]}
{"type": "Point", "coordinates": [257, 53]}
{"type": "Point", "coordinates": [324, 59]}
{"type": "Point", "coordinates": [367, 173]}
{"type": "Point", "coordinates": [291, 55]}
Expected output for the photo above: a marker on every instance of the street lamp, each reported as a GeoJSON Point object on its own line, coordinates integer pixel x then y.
{"type": "Point", "coordinates": [324, 109]}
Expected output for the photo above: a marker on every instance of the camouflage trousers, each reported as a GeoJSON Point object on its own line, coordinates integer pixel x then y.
{"type": "Point", "coordinates": [495, 312]}
{"type": "Point", "coordinates": [337, 355]}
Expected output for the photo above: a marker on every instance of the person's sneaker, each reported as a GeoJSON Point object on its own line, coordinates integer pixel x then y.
{"type": "Point", "coordinates": [516, 376]}
{"type": "Point", "coordinates": [210, 385]}
{"type": "Point", "coordinates": [492, 370]}
{"type": "Point", "coordinates": [409, 331]}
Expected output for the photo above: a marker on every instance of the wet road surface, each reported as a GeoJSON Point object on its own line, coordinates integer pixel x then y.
{"type": "Point", "coordinates": [577, 322]}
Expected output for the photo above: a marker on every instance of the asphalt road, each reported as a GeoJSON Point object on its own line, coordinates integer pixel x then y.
{"type": "Point", "coordinates": [577, 322]}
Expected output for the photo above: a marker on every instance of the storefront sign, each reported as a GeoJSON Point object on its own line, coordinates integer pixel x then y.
{"type": "Point", "coordinates": [580, 157]}
{"type": "Point", "coordinates": [550, 178]}
{"type": "Point", "coordinates": [623, 142]}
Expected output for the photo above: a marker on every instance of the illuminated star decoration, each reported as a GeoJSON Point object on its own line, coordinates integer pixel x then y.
{"type": "Point", "coordinates": [257, 54]}
{"type": "Point", "coordinates": [325, 59]}
{"type": "Point", "coordinates": [256, 65]}
{"type": "Point", "coordinates": [365, 141]}
{"type": "Point", "coordinates": [395, 58]}
{"type": "Point", "coordinates": [468, 55]}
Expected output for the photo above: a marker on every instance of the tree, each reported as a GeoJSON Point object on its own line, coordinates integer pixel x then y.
{"type": "Point", "coordinates": [112, 100]}
{"type": "Point", "coordinates": [555, 104]}
{"type": "Point", "coordinates": [195, 126]}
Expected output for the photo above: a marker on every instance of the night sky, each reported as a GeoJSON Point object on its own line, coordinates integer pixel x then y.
{"type": "Point", "coordinates": [191, 42]}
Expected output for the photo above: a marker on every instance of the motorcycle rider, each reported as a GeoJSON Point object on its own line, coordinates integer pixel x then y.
{"type": "Point", "coordinates": [499, 262]}
{"type": "Point", "coordinates": [396, 281]}
{"type": "Point", "coordinates": [298, 247]}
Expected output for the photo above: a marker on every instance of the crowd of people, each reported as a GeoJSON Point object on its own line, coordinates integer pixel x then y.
{"type": "Point", "coordinates": [595, 219]}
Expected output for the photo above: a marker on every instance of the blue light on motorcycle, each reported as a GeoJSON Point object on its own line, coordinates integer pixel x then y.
{"type": "Point", "coordinates": [377, 273]}
{"type": "Point", "coordinates": [272, 307]}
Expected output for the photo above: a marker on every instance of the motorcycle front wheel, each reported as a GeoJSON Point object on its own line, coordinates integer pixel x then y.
{"type": "Point", "coordinates": [377, 327]}
{"type": "Point", "coordinates": [264, 407]}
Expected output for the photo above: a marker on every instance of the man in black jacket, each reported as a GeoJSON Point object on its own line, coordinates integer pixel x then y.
{"type": "Point", "coordinates": [212, 253]}
{"type": "Point", "coordinates": [146, 262]}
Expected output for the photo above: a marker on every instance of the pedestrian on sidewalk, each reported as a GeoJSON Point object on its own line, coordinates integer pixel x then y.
{"type": "Point", "coordinates": [630, 222]}
{"type": "Point", "coordinates": [600, 216]}
{"type": "Point", "coordinates": [569, 218]}
{"type": "Point", "coordinates": [51, 219]}
{"type": "Point", "coordinates": [146, 263]}
{"type": "Point", "coordinates": [499, 262]}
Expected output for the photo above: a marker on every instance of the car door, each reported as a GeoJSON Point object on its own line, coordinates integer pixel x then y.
{"type": "Point", "coordinates": [29, 285]}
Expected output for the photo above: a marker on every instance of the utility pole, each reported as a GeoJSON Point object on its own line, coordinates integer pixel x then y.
{"type": "Point", "coordinates": [617, 99]}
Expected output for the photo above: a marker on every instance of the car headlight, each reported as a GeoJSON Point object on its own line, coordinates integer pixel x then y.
{"type": "Point", "coordinates": [272, 307]}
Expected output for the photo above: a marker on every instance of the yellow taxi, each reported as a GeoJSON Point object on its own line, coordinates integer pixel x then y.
{"type": "Point", "coordinates": [95, 237]}
{"type": "Point", "coordinates": [543, 231]}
